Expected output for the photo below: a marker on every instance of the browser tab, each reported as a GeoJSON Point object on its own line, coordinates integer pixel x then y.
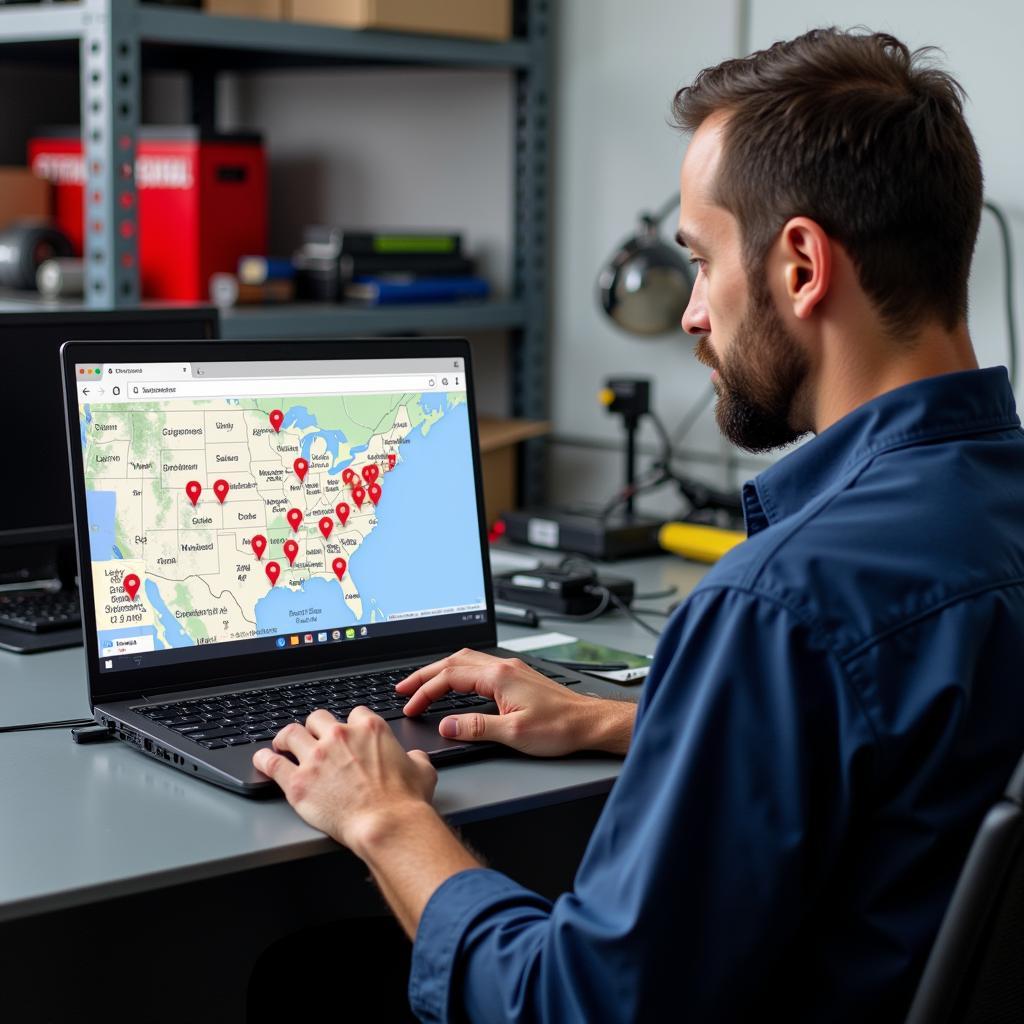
{"type": "Point", "coordinates": [120, 372]}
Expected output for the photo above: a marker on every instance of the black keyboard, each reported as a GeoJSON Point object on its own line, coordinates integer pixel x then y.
{"type": "Point", "coordinates": [234, 719]}
{"type": "Point", "coordinates": [40, 611]}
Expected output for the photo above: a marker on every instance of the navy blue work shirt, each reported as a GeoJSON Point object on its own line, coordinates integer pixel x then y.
{"type": "Point", "coordinates": [827, 719]}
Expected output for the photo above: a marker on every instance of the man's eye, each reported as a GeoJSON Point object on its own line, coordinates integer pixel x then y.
{"type": "Point", "coordinates": [699, 263]}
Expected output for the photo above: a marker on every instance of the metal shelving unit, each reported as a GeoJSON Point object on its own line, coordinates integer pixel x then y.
{"type": "Point", "coordinates": [114, 40]}
{"type": "Point", "coordinates": [318, 319]}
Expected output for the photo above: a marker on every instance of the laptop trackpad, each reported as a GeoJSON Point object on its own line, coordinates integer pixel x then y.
{"type": "Point", "coordinates": [419, 734]}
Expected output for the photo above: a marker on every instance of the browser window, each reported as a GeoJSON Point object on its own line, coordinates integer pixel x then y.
{"type": "Point", "coordinates": [276, 506]}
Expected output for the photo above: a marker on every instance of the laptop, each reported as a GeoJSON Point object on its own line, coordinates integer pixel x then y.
{"type": "Point", "coordinates": [265, 528]}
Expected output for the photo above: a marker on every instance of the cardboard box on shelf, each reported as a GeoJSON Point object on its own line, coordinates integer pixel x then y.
{"type": "Point", "coordinates": [23, 196]}
{"type": "Point", "coordinates": [475, 19]}
{"type": "Point", "coordinates": [499, 443]}
{"type": "Point", "coordinates": [273, 10]}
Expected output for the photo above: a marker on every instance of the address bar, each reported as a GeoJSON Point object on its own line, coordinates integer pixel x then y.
{"type": "Point", "coordinates": [250, 387]}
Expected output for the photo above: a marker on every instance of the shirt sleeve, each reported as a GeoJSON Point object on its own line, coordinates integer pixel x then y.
{"type": "Point", "coordinates": [719, 831]}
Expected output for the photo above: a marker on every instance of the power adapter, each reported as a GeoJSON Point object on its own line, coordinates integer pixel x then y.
{"type": "Point", "coordinates": [561, 591]}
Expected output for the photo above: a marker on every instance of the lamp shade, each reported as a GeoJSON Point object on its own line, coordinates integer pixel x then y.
{"type": "Point", "coordinates": [646, 285]}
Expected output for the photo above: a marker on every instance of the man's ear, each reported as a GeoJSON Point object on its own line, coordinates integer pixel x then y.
{"type": "Point", "coordinates": [806, 257]}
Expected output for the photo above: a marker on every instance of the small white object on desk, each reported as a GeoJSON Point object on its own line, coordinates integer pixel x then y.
{"type": "Point", "coordinates": [512, 561]}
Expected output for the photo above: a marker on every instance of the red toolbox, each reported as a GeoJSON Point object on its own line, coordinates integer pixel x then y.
{"type": "Point", "coordinates": [202, 202]}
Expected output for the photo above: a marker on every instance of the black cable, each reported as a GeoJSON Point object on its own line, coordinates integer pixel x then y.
{"type": "Point", "coordinates": [66, 723]}
{"type": "Point", "coordinates": [666, 441]}
{"type": "Point", "coordinates": [659, 477]}
{"type": "Point", "coordinates": [1011, 320]}
{"type": "Point", "coordinates": [602, 607]}
{"type": "Point", "coordinates": [623, 607]}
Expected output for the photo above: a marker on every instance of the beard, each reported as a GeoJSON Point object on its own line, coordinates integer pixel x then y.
{"type": "Point", "coordinates": [760, 387]}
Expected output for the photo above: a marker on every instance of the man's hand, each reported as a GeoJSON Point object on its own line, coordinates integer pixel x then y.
{"type": "Point", "coordinates": [349, 778]}
{"type": "Point", "coordinates": [537, 715]}
{"type": "Point", "coordinates": [357, 784]}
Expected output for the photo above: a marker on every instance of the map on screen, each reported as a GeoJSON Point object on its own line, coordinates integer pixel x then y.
{"type": "Point", "coordinates": [227, 519]}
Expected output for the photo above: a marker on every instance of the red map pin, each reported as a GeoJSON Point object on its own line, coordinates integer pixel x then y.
{"type": "Point", "coordinates": [371, 472]}
{"type": "Point", "coordinates": [276, 419]}
{"type": "Point", "coordinates": [273, 570]}
{"type": "Point", "coordinates": [374, 492]}
{"type": "Point", "coordinates": [392, 459]}
{"type": "Point", "coordinates": [326, 525]}
{"type": "Point", "coordinates": [193, 489]}
{"type": "Point", "coordinates": [220, 488]}
{"type": "Point", "coordinates": [348, 475]}
{"type": "Point", "coordinates": [339, 565]}
{"type": "Point", "coordinates": [259, 545]}
{"type": "Point", "coordinates": [343, 510]}
{"type": "Point", "coordinates": [131, 585]}
{"type": "Point", "coordinates": [301, 468]}
{"type": "Point", "coordinates": [294, 517]}
{"type": "Point", "coordinates": [291, 549]}
{"type": "Point", "coordinates": [357, 495]}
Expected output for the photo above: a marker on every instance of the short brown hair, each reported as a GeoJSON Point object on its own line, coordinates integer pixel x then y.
{"type": "Point", "coordinates": [865, 138]}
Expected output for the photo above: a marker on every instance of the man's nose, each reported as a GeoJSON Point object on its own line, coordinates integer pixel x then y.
{"type": "Point", "coordinates": [695, 316]}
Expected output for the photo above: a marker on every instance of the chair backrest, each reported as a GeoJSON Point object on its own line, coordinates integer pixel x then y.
{"type": "Point", "coordinates": [975, 972]}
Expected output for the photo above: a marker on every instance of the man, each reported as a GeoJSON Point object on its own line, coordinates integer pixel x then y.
{"type": "Point", "coordinates": [835, 706]}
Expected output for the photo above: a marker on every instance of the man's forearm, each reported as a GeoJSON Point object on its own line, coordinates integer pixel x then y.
{"type": "Point", "coordinates": [411, 852]}
{"type": "Point", "coordinates": [608, 726]}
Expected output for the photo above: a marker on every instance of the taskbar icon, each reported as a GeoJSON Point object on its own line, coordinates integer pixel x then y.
{"type": "Point", "coordinates": [321, 637]}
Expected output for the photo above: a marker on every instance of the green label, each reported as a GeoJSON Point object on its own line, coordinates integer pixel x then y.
{"type": "Point", "coordinates": [414, 243]}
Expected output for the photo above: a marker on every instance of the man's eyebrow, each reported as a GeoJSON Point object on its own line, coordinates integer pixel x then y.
{"type": "Point", "coordinates": [689, 241]}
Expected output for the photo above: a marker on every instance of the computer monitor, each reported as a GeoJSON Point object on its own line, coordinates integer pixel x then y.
{"type": "Point", "coordinates": [36, 537]}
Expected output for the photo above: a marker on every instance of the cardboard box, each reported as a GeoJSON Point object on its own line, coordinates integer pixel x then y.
{"type": "Point", "coordinates": [499, 444]}
{"type": "Point", "coordinates": [273, 10]}
{"type": "Point", "coordinates": [23, 196]}
{"type": "Point", "coordinates": [475, 19]}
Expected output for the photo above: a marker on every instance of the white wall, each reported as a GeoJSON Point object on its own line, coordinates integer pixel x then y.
{"type": "Point", "coordinates": [618, 65]}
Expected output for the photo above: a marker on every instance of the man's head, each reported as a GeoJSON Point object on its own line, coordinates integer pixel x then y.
{"type": "Point", "coordinates": [831, 170]}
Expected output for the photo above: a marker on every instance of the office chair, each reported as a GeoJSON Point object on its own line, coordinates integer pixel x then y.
{"type": "Point", "coordinates": [975, 973]}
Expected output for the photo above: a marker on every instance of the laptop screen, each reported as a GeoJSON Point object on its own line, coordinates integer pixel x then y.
{"type": "Point", "coordinates": [268, 507]}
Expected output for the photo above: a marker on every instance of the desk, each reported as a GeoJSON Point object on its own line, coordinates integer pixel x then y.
{"type": "Point", "coordinates": [101, 841]}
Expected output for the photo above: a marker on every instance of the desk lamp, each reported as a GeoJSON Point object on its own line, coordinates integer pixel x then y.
{"type": "Point", "coordinates": [646, 285]}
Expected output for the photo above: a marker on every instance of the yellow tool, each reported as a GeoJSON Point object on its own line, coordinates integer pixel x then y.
{"type": "Point", "coordinates": [697, 542]}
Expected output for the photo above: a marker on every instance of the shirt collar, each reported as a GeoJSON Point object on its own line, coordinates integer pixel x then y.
{"type": "Point", "coordinates": [950, 405]}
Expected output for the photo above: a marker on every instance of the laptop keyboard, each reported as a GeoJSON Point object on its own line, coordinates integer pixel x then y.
{"type": "Point", "coordinates": [235, 719]}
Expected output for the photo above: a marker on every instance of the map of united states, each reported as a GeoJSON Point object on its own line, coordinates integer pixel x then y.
{"type": "Point", "coordinates": [217, 504]}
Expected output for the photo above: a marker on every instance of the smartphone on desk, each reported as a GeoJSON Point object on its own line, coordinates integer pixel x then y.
{"type": "Point", "coordinates": [585, 656]}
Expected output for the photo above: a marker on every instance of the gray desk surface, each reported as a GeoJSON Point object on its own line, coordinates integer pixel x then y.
{"type": "Point", "coordinates": [83, 823]}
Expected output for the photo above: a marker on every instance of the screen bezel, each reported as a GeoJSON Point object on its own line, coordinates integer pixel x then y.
{"type": "Point", "coordinates": [126, 684]}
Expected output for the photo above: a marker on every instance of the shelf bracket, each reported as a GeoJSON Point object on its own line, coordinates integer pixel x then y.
{"type": "Point", "coordinates": [529, 349]}
{"type": "Point", "coordinates": [110, 72]}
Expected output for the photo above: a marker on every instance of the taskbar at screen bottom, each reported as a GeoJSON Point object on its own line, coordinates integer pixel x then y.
{"type": "Point", "coordinates": [294, 640]}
